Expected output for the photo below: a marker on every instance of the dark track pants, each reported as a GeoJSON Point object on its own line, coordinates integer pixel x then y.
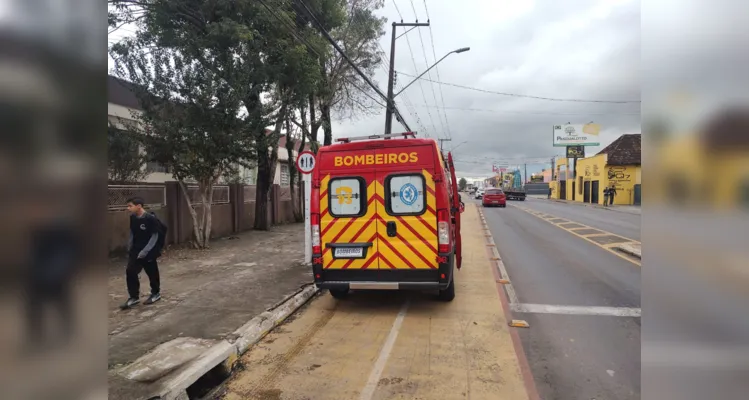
{"type": "Point", "coordinates": [134, 266]}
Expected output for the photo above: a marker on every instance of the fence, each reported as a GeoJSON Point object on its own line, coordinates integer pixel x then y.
{"type": "Point", "coordinates": [233, 209]}
{"type": "Point", "coordinates": [220, 194]}
{"type": "Point", "coordinates": [153, 195]}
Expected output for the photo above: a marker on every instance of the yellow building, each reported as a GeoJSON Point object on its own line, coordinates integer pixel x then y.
{"type": "Point", "coordinates": [709, 169]}
{"type": "Point", "coordinates": [618, 165]}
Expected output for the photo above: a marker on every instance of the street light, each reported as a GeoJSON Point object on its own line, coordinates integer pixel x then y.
{"type": "Point", "coordinates": [460, 50]}
{"type": "Point", "coordinates": [458, 145]}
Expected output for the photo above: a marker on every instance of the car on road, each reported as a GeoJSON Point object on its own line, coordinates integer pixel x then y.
{"type": "Point", "coordinates": [479, 193]}
{"type": "Point", "coordinates": [494, 198]}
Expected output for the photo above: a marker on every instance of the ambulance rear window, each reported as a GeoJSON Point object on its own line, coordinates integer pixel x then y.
{"type": "Point", "coordinates": [347, 197]}
{"type": "Point", "coordinates": [406, 194]}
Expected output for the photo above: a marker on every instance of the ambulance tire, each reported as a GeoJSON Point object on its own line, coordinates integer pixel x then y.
{"type": "Point", "coordinates": [448, 294]}
{"type": "Point", "coordinates": [339, 294]}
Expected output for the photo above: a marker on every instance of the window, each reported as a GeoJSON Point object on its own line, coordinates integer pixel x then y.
{"type": "Point", "coordinates": [494, 191]}
{"type": "Point", "coordinates": [154, 166]}
{"type": "Point", "coordinates": [347, 197]}
{"type": "Point", "coordinates": [405, 195]}
{"type": "Point", "coordinates": [284, 175]}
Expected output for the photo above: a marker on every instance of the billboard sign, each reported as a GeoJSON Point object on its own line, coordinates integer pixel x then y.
{"type": "Point", "coordinates": [576, 151]}
{"type": "Point", "coordinates": [576, 135]}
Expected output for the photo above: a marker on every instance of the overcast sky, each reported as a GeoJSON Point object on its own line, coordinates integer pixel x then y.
{"type": "Point", "coordinates": [581, 49]}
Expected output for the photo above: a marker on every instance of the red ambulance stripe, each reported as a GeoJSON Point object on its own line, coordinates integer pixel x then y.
{"type": "Point", "coordinates": [431, 228]}
{"type": "Point", "coordinates": [371, 259]}
{"type": "Point", "coordinates": [385, 260]}
{"type": "Point", "coordinates": [431, 210]}
{"type": "Point", "coordinates": [431, 191]}
{"type": "Point", "coordinates": [430, 245]}
{"type": "Point", "coordinates": [338, 236]}
{"type": "Point", "coordinates": [405, 261]}
{"type": "Point", "coordinates": [413, 249]}
{"type": "Point", "coordinates": [328, 226]}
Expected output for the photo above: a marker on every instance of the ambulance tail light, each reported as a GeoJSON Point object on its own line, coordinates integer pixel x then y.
{"type": "Point", "coordinates": [315, 223]}
{"type": "Point", "coordinates": [443, 231]}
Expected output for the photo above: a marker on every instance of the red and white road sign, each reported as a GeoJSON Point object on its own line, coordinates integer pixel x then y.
{"type": "Point", "coordinates": [305, 162]}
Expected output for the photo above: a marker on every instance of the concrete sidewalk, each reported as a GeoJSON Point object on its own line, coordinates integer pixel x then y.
{"type": "Point", "coordinates": [207, 295]}
{"type": "Point", "coordinates": [619, 208]}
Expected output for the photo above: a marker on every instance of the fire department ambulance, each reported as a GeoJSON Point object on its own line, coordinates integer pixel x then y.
{"type": "Point", "coordinates": [385, 214]}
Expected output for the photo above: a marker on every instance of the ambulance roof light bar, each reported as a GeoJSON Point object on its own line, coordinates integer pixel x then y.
{"type": "Point", "coordinates": [404, 135]}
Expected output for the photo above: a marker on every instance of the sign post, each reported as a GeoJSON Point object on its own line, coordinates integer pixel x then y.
{"type": "Point", "coordinates": [305, 163]}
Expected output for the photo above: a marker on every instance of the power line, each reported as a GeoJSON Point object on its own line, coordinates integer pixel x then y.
{"type": "Point", "coordinates": [415, 67]}
{"type": "Point", "coordinates": [434, 54]}
{"type": "Point", "coordinates": [429, 73]}
{"type": "Point", "coordinates": [518, 112]}
{"type": "Point", "coordinates": [343, 54]}
{"type": "Point", "coordinates": [527, 96]}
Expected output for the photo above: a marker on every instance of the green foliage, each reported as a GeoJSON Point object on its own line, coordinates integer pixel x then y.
{"type": "Point", "coordinates": [125, 161]}
{"type": "Point", "coordinates": [462, 183]}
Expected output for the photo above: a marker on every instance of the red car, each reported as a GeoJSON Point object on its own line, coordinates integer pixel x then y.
{"type": "Point", "coordinates": [494, 197]}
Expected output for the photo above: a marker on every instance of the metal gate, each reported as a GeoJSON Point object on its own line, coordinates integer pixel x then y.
{"type": "Point", "coordinates": [563, 190]}
{"type": "Point", "coordinates": [638, 194]}
{"type": "Point", "coordinates": [594, 189]}
{"type": "Point", "coordinates": [586, 192]}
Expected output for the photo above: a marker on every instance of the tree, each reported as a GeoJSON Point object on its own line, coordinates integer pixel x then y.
{"type": "Point", "coordinates": [356, 29]}
{"type": "Point", "coordinates": [462, 183]}
{"type": "Point", "coordinates": [188, 122]}
{"type": "Point", "coordinates": [124, 158]}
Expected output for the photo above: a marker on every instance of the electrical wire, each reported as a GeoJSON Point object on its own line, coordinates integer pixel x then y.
{"type": "Point", "coordinates": [528, 96]}
{"type": "Point", "coordinates": [410, 49]}
{"type": "Point", "coordinates": [437, 68]}
{"type": "Point", "coordinates": [429, 73]}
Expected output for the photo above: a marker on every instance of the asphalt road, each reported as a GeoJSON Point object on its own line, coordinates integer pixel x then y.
{"type": "Point", "coordinates": [584, 352]}
{"type": "Point", "coordinates": [619, 223]}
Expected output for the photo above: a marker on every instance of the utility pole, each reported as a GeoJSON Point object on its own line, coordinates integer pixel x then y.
{"type": "Point", "coordinates": [391, 75]}
{"type": "Point", "coordinates": [525, 167]}
{"type": "Point", "coordinates": [443, 140]}
{"type": "Point", "coordinates": [553, 171]}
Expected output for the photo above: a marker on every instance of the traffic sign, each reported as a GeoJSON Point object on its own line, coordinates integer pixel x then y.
{"type": "Point", "coordinates": [305, 162]}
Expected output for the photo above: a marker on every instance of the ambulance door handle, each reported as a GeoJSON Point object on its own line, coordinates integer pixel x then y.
{"type": "Point", "coordinates": [392, 229]}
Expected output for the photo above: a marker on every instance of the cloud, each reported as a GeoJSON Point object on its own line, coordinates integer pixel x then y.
{"type": "Point", "coordinates": [572, 49]}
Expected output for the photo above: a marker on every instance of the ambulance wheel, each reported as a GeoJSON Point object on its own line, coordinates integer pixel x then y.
{"type": "Point", "coordinates": [449, 293]}
{"type": "Point", "coordinates": [339, 293]}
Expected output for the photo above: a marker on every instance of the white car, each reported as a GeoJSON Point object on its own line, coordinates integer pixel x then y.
{"type": "Point", "coordinates": [480, 193]}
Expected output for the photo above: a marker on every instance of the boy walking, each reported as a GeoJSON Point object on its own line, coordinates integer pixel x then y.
{"type": "Point", "coordinates": [142, 253]}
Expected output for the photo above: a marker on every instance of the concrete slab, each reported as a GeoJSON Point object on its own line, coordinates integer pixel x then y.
{"type": "Point", "coordinates": [165, 358]}
{"type": "Point", "coordinates": [633, 249]}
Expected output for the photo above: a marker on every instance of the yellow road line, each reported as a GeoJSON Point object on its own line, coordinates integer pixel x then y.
{"type": "Point", "coordinates": [610, 247]}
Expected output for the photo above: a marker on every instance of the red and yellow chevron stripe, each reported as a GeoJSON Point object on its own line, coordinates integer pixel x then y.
{"type": "Point", "coordinates": [414, 247]}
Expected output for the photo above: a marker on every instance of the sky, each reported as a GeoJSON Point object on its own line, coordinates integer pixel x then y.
{"type": "Point", "coordinates": [572, 49]}
{"type": "Point", "coordinates": [581, 49]}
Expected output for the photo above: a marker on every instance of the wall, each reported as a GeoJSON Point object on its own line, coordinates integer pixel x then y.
{"type": "Point", "coordinates": [229, 218]}
{"type": "Point", "coordinates": [591, 169]}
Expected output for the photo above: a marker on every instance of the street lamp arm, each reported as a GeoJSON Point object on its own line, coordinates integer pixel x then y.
{"type": "Point", "coordinates": [433, 65]}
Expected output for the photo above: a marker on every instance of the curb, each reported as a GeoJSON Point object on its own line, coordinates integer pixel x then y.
{"type": "Point", "coordinates": [629, 251]}
{"type": "Point", "coordinates": [598, 206]}
{"type": "Point", "coordinates": [227, 352]}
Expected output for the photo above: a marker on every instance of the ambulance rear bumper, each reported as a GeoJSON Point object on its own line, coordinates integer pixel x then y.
{"type": "Point", "coordinates": [386, 279]}
{"type": "Point", "coordinates": [382, 285]}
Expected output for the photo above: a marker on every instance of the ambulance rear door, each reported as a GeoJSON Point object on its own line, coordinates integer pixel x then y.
{"type": "Point", "coordinates": [348, 228]}
{"type": "Point", "coordinates": [408, 223]}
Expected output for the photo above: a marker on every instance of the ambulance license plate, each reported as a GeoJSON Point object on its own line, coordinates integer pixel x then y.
{"type": "Point", "coordinates": [349, 252]}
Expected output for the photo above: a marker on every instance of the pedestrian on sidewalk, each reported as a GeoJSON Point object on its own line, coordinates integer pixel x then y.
{"type": "Point", "coordinates": [549, 196]}
{"type": "Point", "coordinates": [605, 196]}
{"type": "Point", "coordinates": [612, 194]}
{"type": "Point", "coordinates": [143, 250]}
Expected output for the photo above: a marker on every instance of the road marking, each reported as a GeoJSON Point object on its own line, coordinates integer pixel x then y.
{"type": "Point", "coordinates": [509, 289]}
{"type": "Point", "coordinates": [382, 358]}
{"type": "Point", "coordinates": [576, 310]}
{"type": "Point", "coordinates": [610, 247]}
